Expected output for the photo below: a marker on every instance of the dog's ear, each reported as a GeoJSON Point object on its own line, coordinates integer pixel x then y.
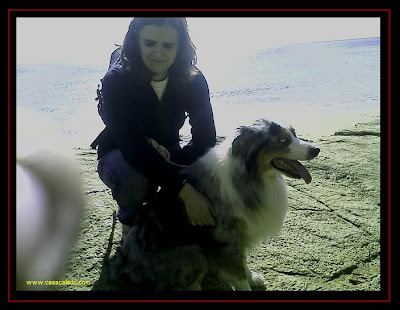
{"type": "Point", "coordinates": [247, 145]}
{"type": "Point", "coordinates": [251, 163]}
{"type": "Point", "coordinates": [243, 135]}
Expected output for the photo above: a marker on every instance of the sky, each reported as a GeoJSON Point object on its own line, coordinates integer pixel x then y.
{"type": "Point", "coordinates": [90, 41]}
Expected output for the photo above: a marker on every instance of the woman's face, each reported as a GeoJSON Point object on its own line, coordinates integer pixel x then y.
{"type": "Point", "coordinates": [158, 48]}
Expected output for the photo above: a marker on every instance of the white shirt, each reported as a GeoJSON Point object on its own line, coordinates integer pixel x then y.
{"type": "Point", "coordinates": [159, 87]}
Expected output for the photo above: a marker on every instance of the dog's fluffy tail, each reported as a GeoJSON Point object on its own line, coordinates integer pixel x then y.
{"type": "Point", "coordinates": [116, 270]}
{"type": "Point", "coordinates": [160, 271]}
{"type": "Point", "coordinates": [184, 276]}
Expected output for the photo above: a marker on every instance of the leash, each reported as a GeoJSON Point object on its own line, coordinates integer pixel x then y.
{"type": "Point", "coordinates": [163, 152]}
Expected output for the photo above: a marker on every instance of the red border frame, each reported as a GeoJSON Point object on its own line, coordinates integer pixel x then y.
{"type": "Point", "coordinates": [211, 10]}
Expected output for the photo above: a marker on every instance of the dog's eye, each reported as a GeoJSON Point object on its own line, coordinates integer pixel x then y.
{"type": "Point", "coordinates": [282, 140]}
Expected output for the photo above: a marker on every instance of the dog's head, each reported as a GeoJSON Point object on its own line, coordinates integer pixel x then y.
{"type": "Point", "coordinates": [269, 147]}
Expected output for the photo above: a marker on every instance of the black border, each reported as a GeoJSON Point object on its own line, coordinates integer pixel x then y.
{"type": "Point", "coordinates": [270, 296]}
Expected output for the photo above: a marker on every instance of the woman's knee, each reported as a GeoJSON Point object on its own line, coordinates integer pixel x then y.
{"type": "Point", "coordinates": [128, 186]}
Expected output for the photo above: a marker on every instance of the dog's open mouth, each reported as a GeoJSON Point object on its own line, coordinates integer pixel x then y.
{"type": "Point", "coordinates": [292, 168]}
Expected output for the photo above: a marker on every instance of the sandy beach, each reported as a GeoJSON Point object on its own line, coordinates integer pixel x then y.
{"type": "Point", "coordinates": [330, 240]}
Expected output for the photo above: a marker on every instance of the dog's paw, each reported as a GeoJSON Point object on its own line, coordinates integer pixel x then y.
{"type": "Point", "coordinates": [242, 286]}
{"type": "Point", "coordinates": [256, 279]}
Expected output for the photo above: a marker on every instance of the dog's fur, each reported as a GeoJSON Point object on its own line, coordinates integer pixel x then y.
{"type": "Point", "coordinates": [248, 193]}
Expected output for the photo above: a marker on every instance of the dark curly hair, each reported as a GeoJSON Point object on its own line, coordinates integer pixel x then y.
{"type": "Point", "coordinates": [186, 59]}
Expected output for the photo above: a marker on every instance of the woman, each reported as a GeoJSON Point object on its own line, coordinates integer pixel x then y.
{"type": "Point", "coordinates": [147, 94]}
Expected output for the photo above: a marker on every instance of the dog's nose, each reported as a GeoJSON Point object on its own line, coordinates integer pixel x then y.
{"type": "Point", "coordinates": [314, 151]}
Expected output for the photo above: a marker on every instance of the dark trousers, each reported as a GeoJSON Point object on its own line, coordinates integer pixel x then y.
{"type": "Point", "coordinates": [129, 187]}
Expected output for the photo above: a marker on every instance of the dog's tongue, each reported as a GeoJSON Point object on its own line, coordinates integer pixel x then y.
{"type": "Point", "coordinates": [301, 170]}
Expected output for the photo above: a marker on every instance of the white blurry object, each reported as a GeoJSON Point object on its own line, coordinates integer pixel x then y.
{"type": "Point", "coordinates": [49, 202]}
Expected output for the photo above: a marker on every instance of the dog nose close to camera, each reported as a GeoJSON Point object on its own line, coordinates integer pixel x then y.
{"type": "Point", "coordinates": [314, 152]}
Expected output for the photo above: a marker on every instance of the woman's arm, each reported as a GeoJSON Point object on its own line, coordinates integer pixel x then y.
{"type": "Point", "coordinates": [201, 119]}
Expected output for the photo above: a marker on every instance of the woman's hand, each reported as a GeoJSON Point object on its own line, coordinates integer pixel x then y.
{"type": "Point", "coordinates": [198, 207]}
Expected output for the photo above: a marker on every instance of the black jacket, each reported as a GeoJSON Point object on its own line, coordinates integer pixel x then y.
{"type": "Point", "coordinates": [132, 111]}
